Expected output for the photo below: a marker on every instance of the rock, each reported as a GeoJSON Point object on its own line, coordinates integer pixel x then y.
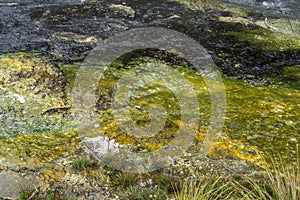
{"type": "Point", "coordinates": [13, 183]}
{"type": "Point", "coordinates": [76, 37]}
{"type": "Point", "coordinates": [100, 146]}
{"type": "Point", "coordinates": [128, 10]}
{"type": "Point", "coordinates": [238, 45]}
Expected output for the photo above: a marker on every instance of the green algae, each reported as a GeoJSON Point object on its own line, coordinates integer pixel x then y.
{"type": "Point", "coordinates": [235, 149]}
{"type": "Point", "coordinates": [291, 76]}
{"type": "Point", "coordinates": [69, 71]}
{"type": "Point", "coordinates": [141, 104]}
{"type": "Point", "coordinates": [199, 5]}
{"type": "Point", "coordinates": [267, 39]}
{"type": "Point", "coordinates": [235, 10]}
{"type": "Point", "coordinates": [30, 85]}
{"type": "Point", "coordinates": [270, 34]}
{"type": "Point", "coordinates": [259, 118]}
{"type": "Point", "coordinates": [36, 149]}
{"type": "Point", "coordinates": [266, 117]}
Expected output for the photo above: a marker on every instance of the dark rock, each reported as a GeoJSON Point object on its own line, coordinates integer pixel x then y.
{"type": "Point", "coordinates": [31, 26]}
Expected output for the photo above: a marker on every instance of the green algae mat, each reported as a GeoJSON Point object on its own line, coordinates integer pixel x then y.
{"type": "Point", "coordinates": [261, 117]}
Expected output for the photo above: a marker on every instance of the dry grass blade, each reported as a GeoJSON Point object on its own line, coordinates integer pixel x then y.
{"type": "Point", "coordinates": [284, 181]}
{"type": "Point", "coordinates": [204, 189]}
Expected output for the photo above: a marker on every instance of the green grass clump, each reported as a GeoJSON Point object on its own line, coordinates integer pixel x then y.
{"type": "Point", "coordinates": [125, 179]}
{"type": "Point", "coordinates": [25, 194]}
{"type": "Point", "coordinates": [83, 164]}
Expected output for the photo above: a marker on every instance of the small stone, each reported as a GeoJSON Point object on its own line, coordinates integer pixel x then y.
{"type": "Point", "coordinates": [130, 11]}
{"type": "Point", "coordinates": [279, 124]}
{"type": "Point", "coordinates": [293, 140]}
{"type": "Point", "coordinates": [18, 97]}
{"type": "Point", "coordinates": [76, 37]}
{"type": "Point", "coordinates": [100, 146]}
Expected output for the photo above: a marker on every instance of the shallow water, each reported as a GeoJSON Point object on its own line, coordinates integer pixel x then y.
{"type": "Point", "coordinates": [264, 114]}
{"type": "Point", "coordinates": [277, 8]}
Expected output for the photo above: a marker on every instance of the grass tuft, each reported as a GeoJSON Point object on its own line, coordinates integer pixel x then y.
{"type": "Point", "coordinates": [275, 182]}
{"type": "Point", "coordinates": [125, 179]}
{"type": "Point", "coordinates": [83, 164]}
{"type": "Point", "coordinates": [204, 189]}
